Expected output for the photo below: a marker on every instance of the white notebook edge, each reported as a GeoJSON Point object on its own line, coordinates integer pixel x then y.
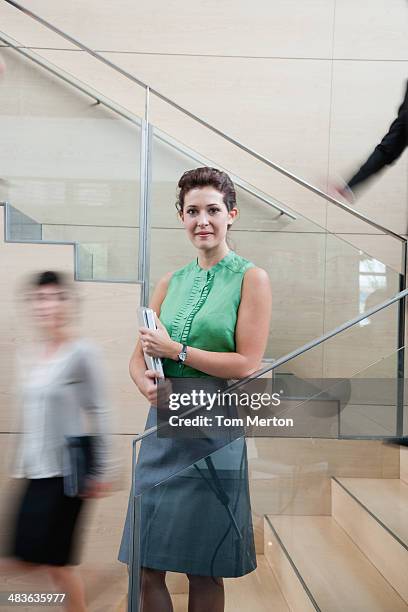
{"type": "Point", "coordinates": [146, 319]}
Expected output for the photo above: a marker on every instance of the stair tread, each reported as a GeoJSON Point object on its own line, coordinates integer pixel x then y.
{"type": "Point", "coordinates": [385, 498]}
{"type": "Point", "coordinates": [337, 573]}
{"type": "Point", "coordinates": [257, 591]}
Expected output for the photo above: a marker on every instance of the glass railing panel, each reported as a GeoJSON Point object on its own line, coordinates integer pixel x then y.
{"type": "Point", "coordinates": [233, 487]}
{"type": "Point", "coordinates": [268, 179]}
{"type": "Point", "coordinates": [84, 262]}
{"type": "Point", "coordinates": [211, 533]}
{"type": "Point", "coordinates": [342, 221]}
{"type": "Point", "coordinates": [350, 351]}
{"type": "Point", "coordinates": [318, 279]}
{"type": "Point", "coordinates": [110, 252]}
{"type": "Point", "coordinates": [368, 404]}
{"type": "Point", "coordinates": [79, 165]}
{"type": "Point", "coordinates": [21, 226]}
{"type": "Point", "coordinates": [387, 248]}
{"type": "Point", "coordinates": [220, 411]}
{"type": "Point", "coordinates": [291, 478]}
{"type": "Point", "coordinates": [87, 69]}
{"type": "Point", "coordinates": [296, 320]}
{"type": "Point", "coordinates": [354, 283]}
{"type": "Point", "coordinates": [250, 161]}
{"type": "Point", "coordinates": [80, 67]}
{"type": "Point", "coordinates": [372, 409]}
{"type": "Point", "coordinates": [364, 343]}
{"type": "Point", "coordinates": [228, 155]}
{"type": "Point", "coordinates": [258, 211]}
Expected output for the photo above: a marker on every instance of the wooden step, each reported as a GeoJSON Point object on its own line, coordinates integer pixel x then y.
{"type": "Point", "coordinates": [320, 568]}
{"type": "Point", "coordinates": [404, 463]}
{"type": "Point", "coordinates": [104, 587]}
{"type": "Point", "coordinates": [374, 514]}
{"type": "Point", "coordinates": [255, 592]}
{"type": "Point", "coordinates": [385, 498]}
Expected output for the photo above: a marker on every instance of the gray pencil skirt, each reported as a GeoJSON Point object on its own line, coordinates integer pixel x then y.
{"type": "Point", "coordinates": [193, 506]}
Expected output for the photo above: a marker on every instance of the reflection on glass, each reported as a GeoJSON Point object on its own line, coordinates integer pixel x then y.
{"type": "Point", "coordinates": [373, 284]}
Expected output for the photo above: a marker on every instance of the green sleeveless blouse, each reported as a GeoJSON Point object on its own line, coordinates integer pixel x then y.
{"type": "Point", "coordinates": [201, 306]}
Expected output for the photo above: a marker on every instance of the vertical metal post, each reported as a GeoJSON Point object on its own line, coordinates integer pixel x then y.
{"type": "Point", "coordinates": [147, 104]}
{"type": "Point", "coordinates": [7, 236]}
{"type": "Point", "coordinates": [144, 213]}
{"type": "Point", "coordinates": [134, 544]}
{"type": "Point", "coordinates": [401, 343]}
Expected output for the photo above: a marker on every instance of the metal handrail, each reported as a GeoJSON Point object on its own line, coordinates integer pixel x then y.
{"type": "Point", "coordinates": [205, 123]}
{"type": "Point", "coordinates": [244, 185]}
{"type": "Point", "coordinates": [133, 118]}
{"type": "Point", "coordinates": [289, 356]}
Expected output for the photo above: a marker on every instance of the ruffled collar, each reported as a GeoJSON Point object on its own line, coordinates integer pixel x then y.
{"type": "Point", "coordinates": [225, 261]}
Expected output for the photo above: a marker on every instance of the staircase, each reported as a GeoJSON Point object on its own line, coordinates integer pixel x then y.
{"type": "Point", "coordinates": [354, 560]}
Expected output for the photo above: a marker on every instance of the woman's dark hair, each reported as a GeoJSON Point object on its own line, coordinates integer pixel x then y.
{"type": "Point", "coordinates": [49, 278]}
{"type": "Point", "coordinates": [206, 177]}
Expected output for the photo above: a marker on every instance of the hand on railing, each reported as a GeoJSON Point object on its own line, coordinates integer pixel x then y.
{"type": "Point", "coordinates": [342, 190]}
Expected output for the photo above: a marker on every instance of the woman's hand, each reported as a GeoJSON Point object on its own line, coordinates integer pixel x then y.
{"type": "Point", "coordinates": [96, 489]}
{"type": "Point", "coordinates": [157, 342]}
{"type": "Point", "coordinates": [336, 189]}
{"type": "Point", "coordinates": [149, 388]}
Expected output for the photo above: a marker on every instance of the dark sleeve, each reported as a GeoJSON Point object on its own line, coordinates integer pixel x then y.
{"type": "Point", "coordinates": [389, 149]}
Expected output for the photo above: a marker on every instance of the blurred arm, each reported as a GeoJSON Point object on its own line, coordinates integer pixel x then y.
{"type": "Point", "coordinates": [94, 401]}
{"type": "Point", "coordinates": [388, 150]}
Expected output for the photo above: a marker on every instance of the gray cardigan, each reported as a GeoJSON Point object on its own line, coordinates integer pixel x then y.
{"type": "Point", "coordinates": [60, 396]}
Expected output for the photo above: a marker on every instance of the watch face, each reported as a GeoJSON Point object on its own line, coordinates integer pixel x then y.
{"type": "Point", "coordinates": [182, 356]}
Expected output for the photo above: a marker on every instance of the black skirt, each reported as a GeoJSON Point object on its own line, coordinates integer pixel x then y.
{"type": "Point", "coordinates": [46, 524]}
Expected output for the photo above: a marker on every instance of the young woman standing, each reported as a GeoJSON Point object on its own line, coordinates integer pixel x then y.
{"type": "Point", "coordinates": [213, 323]}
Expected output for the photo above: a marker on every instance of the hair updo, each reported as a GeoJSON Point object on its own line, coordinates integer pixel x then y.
{"type": "Point", "coordinates": [206, 177]}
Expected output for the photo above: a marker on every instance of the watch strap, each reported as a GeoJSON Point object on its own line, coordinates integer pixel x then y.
{"type": "Point", "coordinates": [182, 352]}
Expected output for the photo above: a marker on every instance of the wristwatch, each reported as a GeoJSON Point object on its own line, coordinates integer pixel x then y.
{"type": "Point", "coordinates": [181, 357]}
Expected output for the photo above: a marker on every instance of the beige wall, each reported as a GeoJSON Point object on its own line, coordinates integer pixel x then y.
{"type": "Point", "coordinates": [311, 85]}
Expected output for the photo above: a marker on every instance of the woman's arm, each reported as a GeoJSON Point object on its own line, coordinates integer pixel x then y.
{"type": "Point", "coordinates": [388, 150]}
{"type": "Point", "coordinates": [251, 334]}
{"type": "Point", "coordinates": [92, 397]}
